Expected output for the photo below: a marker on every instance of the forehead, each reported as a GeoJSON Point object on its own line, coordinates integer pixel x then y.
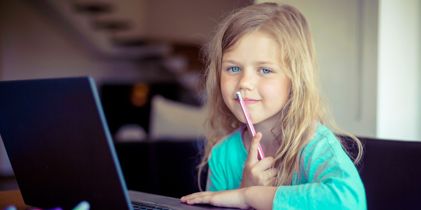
{"type": "Point", "coordinates": [256, 45]}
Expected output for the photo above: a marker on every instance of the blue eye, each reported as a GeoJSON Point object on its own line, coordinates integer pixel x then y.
{"type": "Point", "coordinates": [266, 71]}
{"type": "Point", "coordinates": [234, 69]}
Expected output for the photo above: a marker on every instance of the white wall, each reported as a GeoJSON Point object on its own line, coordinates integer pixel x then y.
{"type": "Point", "coordinates": [419, 69]}
{"type": "Point", "coordinates": [399, 101]}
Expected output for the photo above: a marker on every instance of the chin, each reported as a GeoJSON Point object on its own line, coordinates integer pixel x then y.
{"type": "Point", "coordinates": [240, 118]}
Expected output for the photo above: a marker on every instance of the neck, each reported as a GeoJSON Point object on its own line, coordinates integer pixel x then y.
{"type": "Point", "coordinates": [269, 141]}
{"type": "Point", "coordinates": [270, 144]}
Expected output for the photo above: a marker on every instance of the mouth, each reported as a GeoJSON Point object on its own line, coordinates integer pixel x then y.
{"type": "Point", "coordinates": [247, 101]}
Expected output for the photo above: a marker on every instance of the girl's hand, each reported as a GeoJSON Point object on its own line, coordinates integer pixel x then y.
{"type": "Point", "coordinates": [229, 198]}
{"type": "Point", "coordinates": [258, 173]}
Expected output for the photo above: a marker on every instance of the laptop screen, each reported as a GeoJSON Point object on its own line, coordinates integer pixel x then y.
{"type": "Point", "coordinates": [56, 137]}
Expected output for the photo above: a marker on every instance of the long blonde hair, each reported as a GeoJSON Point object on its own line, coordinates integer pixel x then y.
{"type": "Point", "coordinates": [304, 107]}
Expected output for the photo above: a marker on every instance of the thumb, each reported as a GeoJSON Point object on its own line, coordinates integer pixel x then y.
{"type": "Point", "coordinates": [254, 144]}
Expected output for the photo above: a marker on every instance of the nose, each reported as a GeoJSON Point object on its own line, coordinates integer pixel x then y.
{"type": "Point", "coordinates": [247, 81]}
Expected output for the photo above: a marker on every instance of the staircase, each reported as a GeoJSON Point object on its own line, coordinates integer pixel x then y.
{"type": "Point", "coordinates": [112, 28]}
{"type": "Point", "coordinates": [142, 28]}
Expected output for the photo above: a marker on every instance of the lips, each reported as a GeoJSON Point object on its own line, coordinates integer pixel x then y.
{"type": "Point", "coordinates": [248, 101]}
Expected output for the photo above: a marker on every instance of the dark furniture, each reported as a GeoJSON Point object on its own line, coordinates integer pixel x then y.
{"type": "Point", "coordinates": [391, 172]}
{"type": "Point", "coordinates": [164, 167]}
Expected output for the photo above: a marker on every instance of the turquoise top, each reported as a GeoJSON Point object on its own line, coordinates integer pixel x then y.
{"type": "Point", "coordinates": [328, 178]}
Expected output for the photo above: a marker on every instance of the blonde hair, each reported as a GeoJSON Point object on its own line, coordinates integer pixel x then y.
{"type": "Point", "coordinates": [304, 106]}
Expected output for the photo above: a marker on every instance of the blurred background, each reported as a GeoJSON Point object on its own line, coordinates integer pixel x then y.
{"type": "Point", "coordinates": [145, 58]}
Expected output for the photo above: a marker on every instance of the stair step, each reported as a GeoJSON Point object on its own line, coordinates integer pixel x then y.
{"type": "Point", "coordinates": [129, 42]}
{"type": "Point", "coordinates": [93, 8]}
{"type": "Point", "coordinates": [112, 25]}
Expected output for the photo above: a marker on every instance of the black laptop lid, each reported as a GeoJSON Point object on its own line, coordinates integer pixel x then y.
{"type": "Point", "coordinates": [59, 145]}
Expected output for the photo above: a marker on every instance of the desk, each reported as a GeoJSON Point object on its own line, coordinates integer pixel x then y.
{"type": "Point", "coordinates": [12, 197]}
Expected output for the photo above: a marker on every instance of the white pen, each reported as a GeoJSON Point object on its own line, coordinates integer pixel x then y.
{"type": "Point", "coordinates": [249, 123]}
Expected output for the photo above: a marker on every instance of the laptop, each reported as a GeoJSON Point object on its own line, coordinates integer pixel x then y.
{"type": "Point", "coordinates": [61, 150]}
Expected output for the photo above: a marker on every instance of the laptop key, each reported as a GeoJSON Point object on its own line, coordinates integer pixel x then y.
{"type": "Point", "coordinates": [147, 206]}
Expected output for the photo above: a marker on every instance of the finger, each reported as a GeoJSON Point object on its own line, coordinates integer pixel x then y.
{"type": "Point", "coordinates": [270, 173]}
{"type": "Point", "coordinates": [203, 199]}
{"type": "Point", "coordinates": [194, 195]}
{"type": "Point", "coordinates": [270, 182]}
{"type": "Point", "coordinates": [268, 176]}
{"type": "Point", "coordinates": [196, 198]}
{"type": "Point", "coordinates": [252, 157]}
{"type": "Point", "coordinates": [265, 164]}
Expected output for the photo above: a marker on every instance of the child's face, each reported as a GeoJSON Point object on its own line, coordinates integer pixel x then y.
{"type": "Point", "coordinates": [253, 67]}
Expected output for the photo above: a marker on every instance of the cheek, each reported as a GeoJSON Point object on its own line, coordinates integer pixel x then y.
{"type": "Point", "coordinates": [226, 89]}
{"type": "Point", "coordinates": [227, 85]}
{"type": "Point", "coordinates": [277, 90]}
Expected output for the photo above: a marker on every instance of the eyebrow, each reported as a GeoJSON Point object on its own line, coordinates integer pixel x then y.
{"type": "Point", "coordinates": [255, 63]}
{"type": "Point", "coordinates": [264, 62]}
{"type": "Point", "coordinates": [229, 61]}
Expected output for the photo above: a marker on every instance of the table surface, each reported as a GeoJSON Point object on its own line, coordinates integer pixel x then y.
{"type": "Point", "coordinates": [12, 197]}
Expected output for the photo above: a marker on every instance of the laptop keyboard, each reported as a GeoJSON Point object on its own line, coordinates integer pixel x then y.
{"type": "Point", "coordinates": [147, 206]}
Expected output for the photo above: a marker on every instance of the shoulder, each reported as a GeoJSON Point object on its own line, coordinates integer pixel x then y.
{"type": "Point", "coordinates": [230, 147]}
{"type": "Point", "coordinates": [323, 161]}
{"type": "Point", "coordinates": [323, 140]}
{"type": "Point", "coordinates": [324, 152]}
{"type": "Point", "coordinates": [232, 140]}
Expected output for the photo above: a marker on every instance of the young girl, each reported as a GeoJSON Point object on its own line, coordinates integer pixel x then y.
{"type": "Point", "coordinates": [265, 51]}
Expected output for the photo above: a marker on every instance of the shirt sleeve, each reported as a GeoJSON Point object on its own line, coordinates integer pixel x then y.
{"type": "Point", "coordinates": [328, 179]}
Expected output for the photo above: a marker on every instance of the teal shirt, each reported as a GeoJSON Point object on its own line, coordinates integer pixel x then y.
{"type": "Point", "coordinates": [327, 178]}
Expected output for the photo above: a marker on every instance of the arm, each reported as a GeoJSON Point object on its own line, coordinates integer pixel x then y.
{"type": "Point", "coordinates": [329, 194]}
{"type": "Point", "coordinates": [260, 197]}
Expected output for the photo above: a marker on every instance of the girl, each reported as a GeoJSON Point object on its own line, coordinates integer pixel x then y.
{"type": "Point", "coordinates": [265, 51]}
